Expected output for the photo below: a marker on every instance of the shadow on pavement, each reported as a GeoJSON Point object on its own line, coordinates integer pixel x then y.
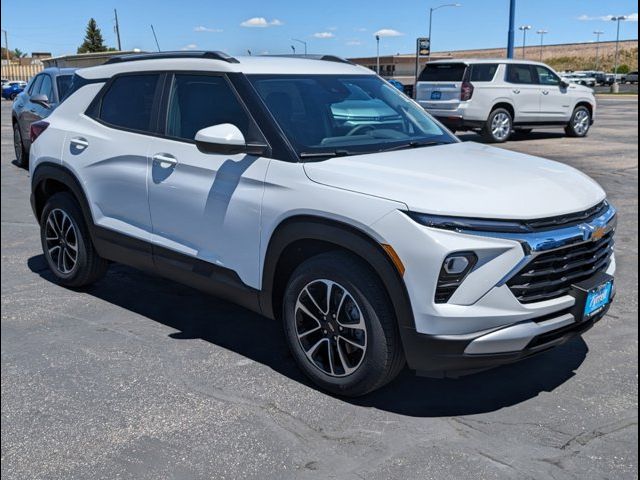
{"type": "Point", "coordinates": [516, 137]}
{"type": "Point", "coordinates": [198, 316]}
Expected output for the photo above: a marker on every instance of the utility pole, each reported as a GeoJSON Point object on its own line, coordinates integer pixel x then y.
{"type": "Point", "coordinates": [616, 86]}
{"type": "Point", "coordinates": [6, 45]}
{"type": "Point", "coordinates": [524, 29]}
{"type": "Point", "coordinates": [294, 49]}
{"type": "Point", "coordinates": [597, 33]}
{"type": "Point", "coordinates": [117, 29]}
{"type": "Point", "coordinates": [301, 42]}
{"type": "Point", "coordinates": [511, 41]}
{"type": "Point", "coordinates": [378, 54]}
{"type": "Point", "coordinates": [542, 33]}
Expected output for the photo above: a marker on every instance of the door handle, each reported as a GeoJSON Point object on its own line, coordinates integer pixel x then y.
{"type": "Point", "coordinates": [545, 92]}
{"type": "Point", "coordinates": [164, 160]}
{"type": "Point", "coordinates": [79, 143]}
{"type": "Point", "coordinates": [32, 110]}
{"type": "Point", "coordinates": [516, 92]}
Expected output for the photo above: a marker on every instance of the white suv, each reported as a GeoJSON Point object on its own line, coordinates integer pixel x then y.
{"type": "Point", "coordinates": [496, 97]}
{"type": "Point", "coordinates": [314, 192]}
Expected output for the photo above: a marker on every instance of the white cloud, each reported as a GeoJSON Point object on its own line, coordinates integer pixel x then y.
{"type": "Point", "coordinates": [388, 32]}
{"type": "Point", "coordinates": [261, 22]}
{"type": "Point", "coordinates": [202, 28]}
{"type": "Point", "coordinates": [354, 43]}
{"type": "Point", "coordinates": [191, 46]}
{"type": "Point", "coordinates": [632, 17]}
{"type": "Point", "coordinates": [323, 35]}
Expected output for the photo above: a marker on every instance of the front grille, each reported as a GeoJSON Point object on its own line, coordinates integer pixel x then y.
{"type": "Point", "coordinates": [551, 275]}
{"type": "Point", "coordinates": [569, 219]}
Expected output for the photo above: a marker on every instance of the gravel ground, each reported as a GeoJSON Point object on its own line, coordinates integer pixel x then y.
{"type": "Point", "coordinates": [138, 377]}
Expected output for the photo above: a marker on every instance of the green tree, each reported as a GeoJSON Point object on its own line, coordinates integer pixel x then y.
{"type": "Point", "coordinates": [93, 41]}
{"type": "Point", "coordinates": [623, 68]}
{"type": "Point", "coordinates": [17, 53]}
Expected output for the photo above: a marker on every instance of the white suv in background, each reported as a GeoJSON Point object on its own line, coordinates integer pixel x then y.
{"type": "Point", "coordinates": [496, 97]}
{"type": "Point", "coordinates": [312, 191]}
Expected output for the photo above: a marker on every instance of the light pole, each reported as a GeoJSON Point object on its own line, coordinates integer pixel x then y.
{"type": "Point", "coordinates": [302, 42]}
{"type": "Point", "coordinates": [6, 46]}
{"type": "Point", "coordinates": [524, 29]}
{"type": "Point", "coordinates": [294, 49]}
{"type": "Point", "coordinates": [378, 54]}
{"type": "Point", "coordinates": [542, 33]}
{"type": "Point", "coordinates": [433, 9]}
{"type": "Point", "coordinates": [597, 33]}
{"type": "Point", "coordinates": [615, 71]}
{"type": "Point", "coordinates": [512, 26]}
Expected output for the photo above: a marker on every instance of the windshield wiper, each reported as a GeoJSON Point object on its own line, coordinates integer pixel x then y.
{"type": "Point", "coordinates": [414, 144]}
{"type": "Point", "coordinates": [330, 153]}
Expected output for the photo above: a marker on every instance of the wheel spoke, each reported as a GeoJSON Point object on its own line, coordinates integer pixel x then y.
{"type": "Point", "coordinates": [306, 311]}
{"type": "Point", "coordinates": [351, 342]}
{"type": "Point", "coordinates": [332, 370]}
{"type": "Point", "coordinates": [309, 332]}
{"type": "Point", "coordinates": [313, 300]}
{"type": "Point", "coordinates": [315, 347]}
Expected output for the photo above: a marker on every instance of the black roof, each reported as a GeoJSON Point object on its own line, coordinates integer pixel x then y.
{"type": "Point", "coordinates": [210, 55]}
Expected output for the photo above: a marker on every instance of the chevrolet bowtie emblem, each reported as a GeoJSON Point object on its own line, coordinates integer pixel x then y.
{"type": "Point", "coordinates": [598, 233]}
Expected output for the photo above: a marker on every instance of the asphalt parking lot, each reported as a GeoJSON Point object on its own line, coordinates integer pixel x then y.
{"type": "Point", "coordinates": [139, 377]}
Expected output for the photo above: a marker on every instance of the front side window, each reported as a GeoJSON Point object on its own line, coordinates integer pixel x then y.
{"type": "Point", "coordinates": [128, 102]}
{"type": "Point", "coordinates": [200, 101]}
{"type": "Point", "coordinates": [343, 115]}
{"type": "Point", "coordinates": [547, 77]}
{"type": "Point", "coordinates": [521, 74]}
{"type": "Point", "coordinates": [34, 89]}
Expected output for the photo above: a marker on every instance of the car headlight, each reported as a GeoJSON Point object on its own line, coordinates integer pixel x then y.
{"type": "Point", "coordinates": [469, 224]}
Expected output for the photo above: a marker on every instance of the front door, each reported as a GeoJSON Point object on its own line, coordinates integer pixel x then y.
{"type": "Point", "coordinates": [205, 207]}
{"type": "Point", "coordinates": [555, 105]}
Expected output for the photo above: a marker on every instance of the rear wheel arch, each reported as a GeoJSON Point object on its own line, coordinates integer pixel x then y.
{"type": "Point", "coordinates": [298, 238]}
{"type": "Point", "coordinates": [507, 106]}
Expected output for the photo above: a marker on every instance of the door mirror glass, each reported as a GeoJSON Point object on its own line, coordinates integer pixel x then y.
{"type": "Point", "coordinates": [225, 138]}
{"type": "Point", "coordinates": [41, 99]}
{"type": "Point", "coordinates": [564, 84]}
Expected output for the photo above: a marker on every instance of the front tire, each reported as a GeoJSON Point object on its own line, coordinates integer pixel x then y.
{"type": "Point", "coordinates": [67, 245]}
{"type": "Point", "coordinates": [580, 123]}
{"type": "Point", "coordinates": [340, 325]}
{"type": "Point", "coordinates": [22, 156]}
{"type": "Point", "coordinates": [499, 126]}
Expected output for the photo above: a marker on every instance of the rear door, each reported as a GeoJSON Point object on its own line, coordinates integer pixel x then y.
{"type": "Point", "coordinates": [108, 148]}
{"type": "Point", "coordinates": [439, 85]}
{"type": "Point", "coordinates": [525, 92]}
{"type": "Point", "coordinates": [555, 104]}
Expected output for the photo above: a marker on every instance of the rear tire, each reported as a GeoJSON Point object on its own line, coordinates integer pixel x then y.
{"type": "Point", "coordinates": [499, 126]}
{"type": "Point", "coordinates": [580, 123]}
{"type": "Point", "coordinates": [340, 325]}
{"type": "Point", "coordinates": [22, 156]}
{"type": "Point", "coordinates": [67, 245]}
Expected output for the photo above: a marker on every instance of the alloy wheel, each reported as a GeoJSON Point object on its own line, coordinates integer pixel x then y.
{"type": "Point", "coordinates": [330, 328]}
{"type": "Point", "coordinates": [501, 126]}
{"type": "Point", "coordinates": [61, 241]}
{"type": "Point", "coordinates": [581, 122]}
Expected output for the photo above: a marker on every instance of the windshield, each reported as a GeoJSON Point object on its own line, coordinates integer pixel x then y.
{"type": "Point", "coordinates": [64, 82]}
{"type": "Point", "coordinates": [346, 115]}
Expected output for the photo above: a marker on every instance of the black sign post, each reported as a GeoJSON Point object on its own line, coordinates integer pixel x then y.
{"type": "Point", "coordinates": [423, 49]}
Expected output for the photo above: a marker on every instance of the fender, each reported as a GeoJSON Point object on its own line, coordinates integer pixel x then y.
{"type": "Point", "coordinates": [340, 235]}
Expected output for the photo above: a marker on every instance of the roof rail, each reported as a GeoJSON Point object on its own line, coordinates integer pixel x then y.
{"type": "Point", "coordinates": [326, 58]}
{"type": "Point", "coordinates": [209, 55]}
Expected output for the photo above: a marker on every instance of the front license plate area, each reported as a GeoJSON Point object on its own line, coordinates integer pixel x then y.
{"type": "Point", "coordinates": [592, 296]}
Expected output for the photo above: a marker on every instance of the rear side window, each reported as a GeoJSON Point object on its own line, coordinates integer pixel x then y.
{"type": "Point", "coordinates": [522, 74]}
{"type": "Point", "coordinates": [128, 102]}
{"type": "Point", "coordinates": [483, 72]}
{"type": "Point", "coordinates": [46, 87]}
{"type": "Point", "coordinates": [443, 72]}
{"type": "Point", "coordinates": [200, 101]}
{"type": "Point", "coordinates": [64, 84]}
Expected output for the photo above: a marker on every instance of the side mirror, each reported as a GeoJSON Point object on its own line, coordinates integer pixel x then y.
{"type": "Point", "coordinates": [226, 139]}
{"type": "Point", "coordinates": [564, 84]}
{"type": "Point", "coordinates": [41, 99]}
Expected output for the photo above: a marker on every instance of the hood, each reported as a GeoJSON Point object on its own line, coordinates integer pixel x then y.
{"type": "Point", "coordinates": [464, 179]}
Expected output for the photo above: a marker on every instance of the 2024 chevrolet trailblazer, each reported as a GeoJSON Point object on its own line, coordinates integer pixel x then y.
{"type": "Point", "coordinates": [310, 190]}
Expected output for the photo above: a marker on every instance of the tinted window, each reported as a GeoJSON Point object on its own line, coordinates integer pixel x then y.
{"type": "Point", "coordinates": [520, 74]}
{"type": "Point", "coordinates": [547, 77]}
{"type": "Point", "coordinates": [64, 84]}
{"type": "Point", "coordinates": [200, 101]}
{"type": "Point", "coordinates": [35, 86]}
{"type": "Point", "coordinates": [483, 72]}
{"type": "Point", "coordinates": [46, 87]}
{"type": "Point", "coordinates": [443, 72]}
{"type": "Point", "coordinates": [129, 101]}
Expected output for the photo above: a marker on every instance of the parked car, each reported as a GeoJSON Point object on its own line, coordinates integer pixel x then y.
{"type": "Point", "coordinates": [396, 84]}
{"type": "Point", "coordinates": [632, 77]}
{"type": "Point", "coordinates": [373, 245]}
{"type": "Point", "coordinates": [496, 97]}
{"type": "Point", "coordinates": [603, 78]}
{"type": "Point", "coordinates": [11, 90]}
{"type": "Point", "coordinates": [37, 101]}
{"type": "Point", "coordinates": [4, 81]}
{"type": "Point", "coordinates": [580, 79]}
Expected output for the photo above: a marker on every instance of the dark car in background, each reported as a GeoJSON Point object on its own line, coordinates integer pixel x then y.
{"type": "Point", "coordinates": [11, 90]}
{"type": "Point", "coordinates": [41, 96]}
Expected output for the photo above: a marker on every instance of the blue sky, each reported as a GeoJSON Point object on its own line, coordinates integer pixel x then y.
{"type": "Point", "coordinates": [345, 27]}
